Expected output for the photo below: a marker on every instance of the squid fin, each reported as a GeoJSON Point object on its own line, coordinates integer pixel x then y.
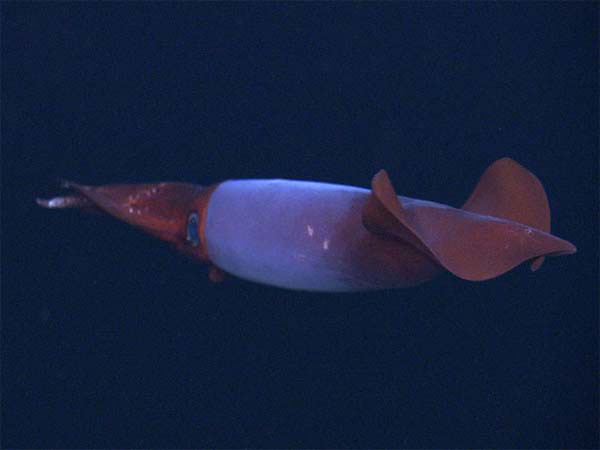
{"type": "Point", "coordinates": [482, 241]}
{"type": "Point", "coordinates": [509, 191]}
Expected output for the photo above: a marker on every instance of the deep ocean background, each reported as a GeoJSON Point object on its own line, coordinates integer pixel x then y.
{"type": "Point", "coordinates": [112, 339]}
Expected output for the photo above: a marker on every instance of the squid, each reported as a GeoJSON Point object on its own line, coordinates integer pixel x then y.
{"type": "Point", "coordinates": [316, 236]}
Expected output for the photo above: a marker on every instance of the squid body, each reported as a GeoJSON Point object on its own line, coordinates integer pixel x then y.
{"type": "Point", "coordinates": [329, 237]}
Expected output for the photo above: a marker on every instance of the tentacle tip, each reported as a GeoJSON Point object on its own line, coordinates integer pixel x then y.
{"type": "Point", "coordinates": [44, 203]}
{"type": "Point", "coordinates": [53, 203]}
{"type": "Point", "coordinates": [67, 201]}
{"type": "Point", "coordinates": [66, 184]}
{"type": "Point", "coordinates": [216, 275]}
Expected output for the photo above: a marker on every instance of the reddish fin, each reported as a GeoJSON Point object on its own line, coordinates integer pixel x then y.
{"type": "Point", "coordinates": [509, 191]}
{"type": "Point", "coordinates": [471, 245]}
{"type": "Point", "coordinates": [383, 214]}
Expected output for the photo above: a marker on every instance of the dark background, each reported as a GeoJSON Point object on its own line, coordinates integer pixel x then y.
{"type": "Point", "coordinates": [111, 339]}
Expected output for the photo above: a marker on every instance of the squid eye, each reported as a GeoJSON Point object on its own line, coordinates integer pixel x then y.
{"type": "Point", "coordinates": [192, 230]}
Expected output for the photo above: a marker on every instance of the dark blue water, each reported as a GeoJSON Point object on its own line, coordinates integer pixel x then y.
{"type": "Point", "coordinates": [111, 339]}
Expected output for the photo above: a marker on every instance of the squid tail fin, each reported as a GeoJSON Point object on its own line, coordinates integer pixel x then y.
{"type": "Point", "coordinates": [505, 222]}
{"type": "Point", "coordinates": [509, 191]}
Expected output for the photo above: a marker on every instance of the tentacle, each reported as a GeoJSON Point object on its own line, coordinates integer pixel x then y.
{"type": "Point", "coordinates": [66, 201]}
